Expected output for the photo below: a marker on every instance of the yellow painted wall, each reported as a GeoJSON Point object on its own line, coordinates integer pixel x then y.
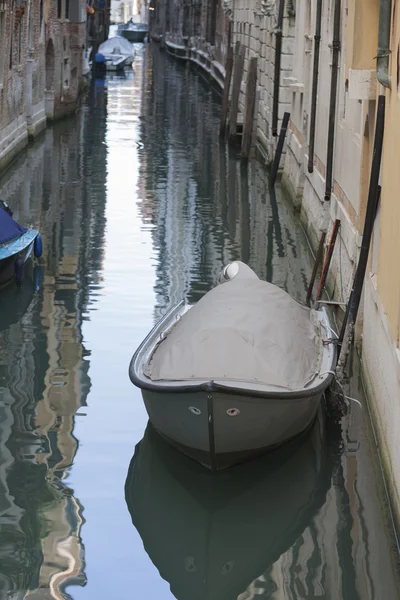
{"type": "Point", "coordinates": [362, 34]}
{"type": "Point", "coordinates": [389, 248]}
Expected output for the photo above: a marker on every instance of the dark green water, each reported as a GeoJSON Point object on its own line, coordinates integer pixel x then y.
{"type": "Point", "coordinates": [139, 204]}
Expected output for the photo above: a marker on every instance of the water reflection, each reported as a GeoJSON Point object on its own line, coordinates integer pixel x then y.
{"type": "Point", "coordinates": [44, 370]}
{"type": "Point", "coordinates": [218, 536]}
{"type": "Point", "coordinates": [138, 204]}
{"type": "Point", "coordinates": [205, 208]}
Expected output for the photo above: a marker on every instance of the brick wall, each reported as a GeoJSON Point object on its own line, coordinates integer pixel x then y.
{"type": "Point", "coordinates": [27, 31]}
{"type": "Point", "coordinates": [12, 84]}
{"type": "Point", "coordinates": [68, 40]}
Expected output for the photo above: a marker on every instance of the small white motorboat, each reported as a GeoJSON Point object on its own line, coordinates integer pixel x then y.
{"type": "Point", "coordinates": [239, 373]}
{"type": "Point", "coordinates": [115, 51]}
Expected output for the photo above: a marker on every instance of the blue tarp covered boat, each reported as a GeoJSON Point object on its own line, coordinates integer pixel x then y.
{"type": "Point", "coordinates": [16, 245]}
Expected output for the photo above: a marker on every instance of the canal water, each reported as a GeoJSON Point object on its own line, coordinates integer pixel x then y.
{"type": "Point", "coordinates": [140, 204]}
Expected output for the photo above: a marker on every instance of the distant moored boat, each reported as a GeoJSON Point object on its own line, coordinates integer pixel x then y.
{"type": "Point", "coordinates": [134, 32]}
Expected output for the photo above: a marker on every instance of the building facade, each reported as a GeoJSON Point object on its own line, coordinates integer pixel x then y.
{"type": "Point", "coordinates": [65, 24]}
{"type": "Point", "coordinates": [22, 112]}
{"type": "Point", "coordinates": [44, 48]}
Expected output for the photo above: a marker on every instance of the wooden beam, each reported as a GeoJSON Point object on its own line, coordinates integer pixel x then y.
{"type": "Point", "coordinates": [227, 87]}
{"type": "Point", "coordinates": [248, 124]}
{"type": "Point", "coordinates": [237, 82]}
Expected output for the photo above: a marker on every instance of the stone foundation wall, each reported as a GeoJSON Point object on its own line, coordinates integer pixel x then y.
{"type": "Point", "coordinates": [27, 29]}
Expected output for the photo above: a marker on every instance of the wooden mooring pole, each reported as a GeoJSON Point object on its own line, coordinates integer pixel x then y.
{"type": "Point", "coordinates": [227, 88]}
{"type": "Point", "coordinates": [279, 148]}
{"type": "Point", "coordinates": [236, 85]}
{"type": "Point", "coordinates": [328, 259]}
{"type": "Point", "coordinates": [248, 123]}
{"type": "Point", "coordinates": [318, 260]}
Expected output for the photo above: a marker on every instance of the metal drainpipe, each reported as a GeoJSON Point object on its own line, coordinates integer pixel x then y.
{"type": "Point", "coordinates": [332, 103]}
{"type": "Point", "coordinates": [277, 69]}
{"type": "Point", "coordinates": [317, 42]}
{"type": "Point", "coordinates": [382, 63]}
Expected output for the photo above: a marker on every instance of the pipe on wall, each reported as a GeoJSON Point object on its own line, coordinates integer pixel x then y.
{"type": "Point", "coordinates": [332, 103]}
{"type": "Point", "coordinates": [277, 68]}
{"type": "Point", "coordinates": [313, 116]}
{"type": "Point", "coordinates": [382, 62]}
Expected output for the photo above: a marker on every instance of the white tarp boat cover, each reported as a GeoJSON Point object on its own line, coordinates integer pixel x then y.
{"type": "Point", "coordinates": [117, 45]}
{"type": "Point", "coordinates": [245, 330]}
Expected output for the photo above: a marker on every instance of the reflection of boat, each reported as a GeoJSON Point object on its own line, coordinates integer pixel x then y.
{"type": "Point", "coordinates": [211, 534]}
{"type": "Point", "coordinates": [14, 302]}
{"type": "Point", "coordinates": [134, 32]}
{"type": "Point", "coordinates": [240, 372]}
{"type": "Point", "coordinates": [116, 48]}
{"type": "Point", "coordinates": [16, 245]}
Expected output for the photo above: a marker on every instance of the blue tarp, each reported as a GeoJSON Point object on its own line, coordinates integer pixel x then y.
{"type": "Point", "coordinates": [9, 229]}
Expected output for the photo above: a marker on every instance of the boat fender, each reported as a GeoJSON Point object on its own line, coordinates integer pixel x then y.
{"type": "Point", "coordinates": [19, 271]}
{"type": "Point", "coordinates": [38, 246]}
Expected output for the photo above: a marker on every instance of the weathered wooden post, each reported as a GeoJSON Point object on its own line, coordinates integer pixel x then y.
{"type": "Point", "coordinates": [227, 87]}
{"type": "Point", "coordinates": [248, 124]}
{"type": "Point", "coordinates": [328, 259]}
{"type": "Point", "coordinates": [279, 148]}
{"type": "Point", "coordinates": [237, 82]}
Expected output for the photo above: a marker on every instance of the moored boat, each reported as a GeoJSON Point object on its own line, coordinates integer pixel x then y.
{"type": "Point", "coordinates": [134, 32]}
{"type": "Point", "coordinates": [239, 373]}
{"type": "Point", "coordinates": [116, 48]}
{"type": "Point", "coordinates": [16, 246]}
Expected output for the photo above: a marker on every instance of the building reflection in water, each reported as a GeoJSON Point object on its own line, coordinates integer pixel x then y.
{"type": "Point", "coordinates": [43, 362]}
{"type": "Point", "coordinates": [204, 207]}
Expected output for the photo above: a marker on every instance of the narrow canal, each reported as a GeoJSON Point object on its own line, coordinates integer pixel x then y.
{"type": "Point", "coordinates": [140, 205]}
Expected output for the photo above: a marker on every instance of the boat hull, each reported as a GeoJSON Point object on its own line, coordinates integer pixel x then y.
{"type": "Point", "coordinates": [22, 247]}
{"type": "Point", "coordinates": [220, 423]}
{"type": "Point", "coordinates": [135, 37]}
{"type": "Point", "coordinates": [220, 429]}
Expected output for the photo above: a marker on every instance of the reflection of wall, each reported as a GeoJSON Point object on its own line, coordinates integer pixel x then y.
{"type": "Point", "coordinates": [43, 371]}
{"type": "Point", "coordinates": [206, 209]}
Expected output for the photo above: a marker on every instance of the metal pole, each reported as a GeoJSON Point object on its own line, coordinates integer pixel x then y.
{"type": "Point", "coordinates": [277, 68]}
{"type": "Point", "coordinates": [332, 104]}
{"type": "Point", "coordinates": [317, 42]}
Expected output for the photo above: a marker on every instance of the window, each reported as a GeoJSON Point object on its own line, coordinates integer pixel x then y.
{"type": "Point", "coordinates": [2, 41]}
{"type": "Point", "coordinates": [41, 14]}
{"type": "Point", "coordinates": [67, 9]}
{"type": "Point", "coordinates": [59, 9]}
